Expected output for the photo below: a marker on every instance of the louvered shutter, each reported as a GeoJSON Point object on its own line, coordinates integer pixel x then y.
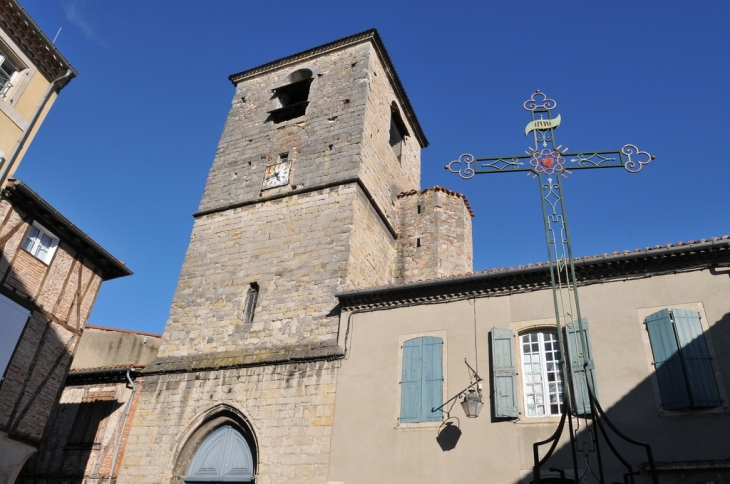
{"type": "Point", "coordinates": [697, 364]}
{"type": "Point", "coordinates": [582, 368]}
{"type": "Point", "coordinates": [433, 379]}
{"type": "Point", "coordinates": [672, 383]}
{"type": "Point", "coordinates": [504, 374]}
{"type": "Point", "coordinates": [410, 403]}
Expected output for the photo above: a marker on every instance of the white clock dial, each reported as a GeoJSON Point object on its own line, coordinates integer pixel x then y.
{"type": "Point", "coordinates": [276, 175]}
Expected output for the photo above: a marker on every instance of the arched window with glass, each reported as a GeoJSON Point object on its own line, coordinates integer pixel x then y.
{"type": "Point", "coordinates": [542, 382]}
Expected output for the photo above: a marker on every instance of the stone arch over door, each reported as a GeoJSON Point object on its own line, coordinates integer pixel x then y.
{"type": "Point", "coordinates": [221, 429]}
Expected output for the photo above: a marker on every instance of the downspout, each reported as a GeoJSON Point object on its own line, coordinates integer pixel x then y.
{"type": "Point", "coordinates": [118, 443]}
{"type": "Point", "coordinates": [31, 124]}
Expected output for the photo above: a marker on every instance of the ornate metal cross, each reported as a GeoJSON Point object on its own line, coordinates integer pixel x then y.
{"type": "Point", "coordinates": [550, 163]}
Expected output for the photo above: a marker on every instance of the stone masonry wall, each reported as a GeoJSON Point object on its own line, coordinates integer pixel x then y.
{"type": "Point", "coordinates": [434, 235]}
{"type": "Point", "coordinates": [323, 145]}
{"type": "Point", "coordinates": [290, 409]}
{"type": "Point", "coordinates": [372, 249]}
{"type": "Point", "coordinates": [380, 170]}
{"type": "Point", "coordinates": [295, 248]}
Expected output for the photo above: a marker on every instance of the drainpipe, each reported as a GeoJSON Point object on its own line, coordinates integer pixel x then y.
{"type": "Point", "coordinates": [123, 424]}
{"type": "Point", "coordinates": [31, 124]}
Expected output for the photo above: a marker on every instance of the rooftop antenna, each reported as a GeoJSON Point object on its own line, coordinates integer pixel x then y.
{"type": "Point", "coordinates": [59, 31]}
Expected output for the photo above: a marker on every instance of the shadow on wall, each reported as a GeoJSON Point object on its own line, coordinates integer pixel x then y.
{"type": "Point", "coordinates": [75, 446]}
{"type": "Point", "coordinates": [681, 437]}
{"type": "Point", "coordinates": [449, 434]}
{"type": "Point", "coordinates": [36, 356]}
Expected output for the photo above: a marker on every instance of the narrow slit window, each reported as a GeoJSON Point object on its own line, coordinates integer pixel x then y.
{"type": "Point", "coordinates": [251, 298]}
{"type": "Point", "coordinates": [418, 242]}
{"type": "Point", "coordinates": [419, 209]}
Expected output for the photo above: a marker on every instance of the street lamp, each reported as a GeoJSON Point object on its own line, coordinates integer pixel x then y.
{"type": "Point", "coordinates": [472, 403]}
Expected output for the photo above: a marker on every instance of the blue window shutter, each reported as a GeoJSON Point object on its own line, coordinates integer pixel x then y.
{"type": "Point", "coordinates": [410, 402]}
{"type": "Point", "coordinates": [433, 379]}
{"type": "Point", "coordinates": [672, 383]}
{"type": "Point", "coordinates": [504, 374]}
{"type": "Point", "coordinates": [697, 364]}
{"type": "Point", "coordinates": [579, 371]}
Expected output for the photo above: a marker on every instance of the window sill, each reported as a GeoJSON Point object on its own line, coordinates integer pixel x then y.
{"type": "Point", "coordinates": [692, 411]}
{"type": "Point", "coordinates": [418, 425]}
{"type": "Point", "coordinates": [551, 420]}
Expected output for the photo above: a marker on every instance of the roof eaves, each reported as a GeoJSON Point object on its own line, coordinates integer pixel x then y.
{"type": "Point", "coordinates": [625, 256]}
{"type": "Point", "coordinates": [15, 20]}
{"type": "Point", "coordinates": [110, 266]}
{"type": "Point", "coordinates": [368, 35]}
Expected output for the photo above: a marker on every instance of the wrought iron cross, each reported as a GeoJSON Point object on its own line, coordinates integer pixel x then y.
{"type": "Point", "coordinates": [550, 163]}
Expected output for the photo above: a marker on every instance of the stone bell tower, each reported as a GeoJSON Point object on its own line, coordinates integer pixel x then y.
{"type": "Point", "coordinates": [300, 204]}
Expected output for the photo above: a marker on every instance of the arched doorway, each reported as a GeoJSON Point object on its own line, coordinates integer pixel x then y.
{"type": "Point", "coordinates": [224, 456]}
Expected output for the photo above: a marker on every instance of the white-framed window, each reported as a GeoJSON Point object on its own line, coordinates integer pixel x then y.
{"type": "Point", "coordinates": [542, 382]}
{"type": "Point", "coordinates": [7, 73]}
{"type": "Point", "coordinates": [41, 243]}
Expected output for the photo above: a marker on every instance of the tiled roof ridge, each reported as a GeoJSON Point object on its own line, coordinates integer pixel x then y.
{"type": "Point", "coordinates": [438, 188]}
{"type": "Point", "coordinates": [109, 367]}
{"type": "Point", "coordinates": [646, 250]}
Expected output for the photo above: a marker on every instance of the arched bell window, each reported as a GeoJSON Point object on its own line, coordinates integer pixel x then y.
{"type": "Point", "coordinates": [224, 456]}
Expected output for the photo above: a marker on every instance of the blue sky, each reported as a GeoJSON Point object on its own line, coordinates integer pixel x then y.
{"type": "Point", "coordinates": [126, 149]}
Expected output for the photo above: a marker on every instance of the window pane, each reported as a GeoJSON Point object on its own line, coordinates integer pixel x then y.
{"type": "Point", "coordinates": [30, 240]}
{"type": "Point", "coordinates": [46, 241]}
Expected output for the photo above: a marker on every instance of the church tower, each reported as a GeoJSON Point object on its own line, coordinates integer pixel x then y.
{"type": "Point", "coordinates": [300, 203]}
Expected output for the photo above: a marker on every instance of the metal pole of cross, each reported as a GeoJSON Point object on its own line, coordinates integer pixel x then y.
{"type": "Point", "coordinates": [550, 163]}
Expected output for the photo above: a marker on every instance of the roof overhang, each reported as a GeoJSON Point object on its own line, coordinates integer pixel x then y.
{"type": "Point", "coordinates": [29, 37]}
{"type": "Point", "coordinates": [705, 254]}
{"type": "Point", "coordinates": [20, 193]}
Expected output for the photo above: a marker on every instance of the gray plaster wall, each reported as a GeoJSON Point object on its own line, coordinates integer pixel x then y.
{"type": "Point", "coordinates": [99, 347]}
{"type": "Point", "coordinates": [368, 393]}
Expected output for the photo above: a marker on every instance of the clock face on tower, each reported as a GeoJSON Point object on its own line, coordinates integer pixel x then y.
{"type": "Point", "coordinates": [276, 175]}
